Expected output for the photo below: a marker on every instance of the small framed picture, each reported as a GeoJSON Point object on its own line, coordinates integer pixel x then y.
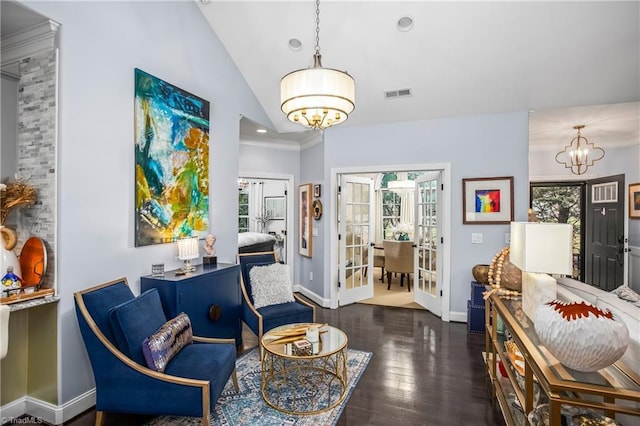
{"type": "Point", "coordinates": [634, 200]}
{"type": "Point", "coordinates": [304, 220]}
{"type": "Point", "coordinates": [487, 201]}
{"type": "Point", "coordinates": [316, 191]}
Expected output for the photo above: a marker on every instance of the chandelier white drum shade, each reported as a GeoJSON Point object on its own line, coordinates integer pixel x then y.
{"type": "Point", "coordinates": [317, 97]}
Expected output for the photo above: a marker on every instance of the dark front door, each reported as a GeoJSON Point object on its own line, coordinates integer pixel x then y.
{"type": "Point", "coordinates": [604, 260]}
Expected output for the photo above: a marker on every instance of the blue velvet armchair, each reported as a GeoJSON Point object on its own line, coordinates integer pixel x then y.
{"type": "Point", "coordinates": [264, 319]}
{"type": "Point", "coordinates": [113, 323]}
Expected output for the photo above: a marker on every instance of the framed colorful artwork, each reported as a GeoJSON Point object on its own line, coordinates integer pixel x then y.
{"type": "Point", "coordinates": [634, 200]}
{"type": "Point", "coordinates": [305, 240]}
{"type": "Point", "coordinates": [487, 200]}
{"type": "Point", "coordinates": [172, 162]}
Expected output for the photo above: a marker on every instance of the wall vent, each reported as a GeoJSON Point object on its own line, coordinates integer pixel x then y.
{"type": "Point", "coordinates": [400, 93]}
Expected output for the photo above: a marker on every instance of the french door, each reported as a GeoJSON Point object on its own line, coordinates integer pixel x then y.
{"type": "Point", "coordinates": [428, 239]}
{"type": "Point", "coordinates": [355, 232]}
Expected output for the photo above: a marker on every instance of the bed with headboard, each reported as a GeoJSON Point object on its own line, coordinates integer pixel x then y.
{"type": "Point", "coordinates": [255, 242]}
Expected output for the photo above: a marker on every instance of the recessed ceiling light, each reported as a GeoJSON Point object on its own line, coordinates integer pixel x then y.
{"type": "Point", "coordinates": [405, 23]}
{"type": "Point", "coordinates": [261, 131]}
{"type": "Point", "coordinates": [295, 45]}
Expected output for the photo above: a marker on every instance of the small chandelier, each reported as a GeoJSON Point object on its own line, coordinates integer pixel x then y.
{"type": "Point", "coordinates": [317, 97]}
{"type": "Point", "coordinates": [579, 155]}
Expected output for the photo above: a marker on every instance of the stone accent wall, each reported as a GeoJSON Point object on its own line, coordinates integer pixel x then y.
{"type": "Point", "coordinates": [37, 150]}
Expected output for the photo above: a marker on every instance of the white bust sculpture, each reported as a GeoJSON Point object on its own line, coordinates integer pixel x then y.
{"type": "Point", "coordinates": [209, 242]}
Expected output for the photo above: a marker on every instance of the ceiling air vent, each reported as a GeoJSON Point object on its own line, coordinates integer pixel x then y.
{"type": "Point", "coordinates": [400, 93]}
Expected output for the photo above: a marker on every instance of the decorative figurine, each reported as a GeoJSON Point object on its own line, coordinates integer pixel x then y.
{"type": "Point", "coordinates": [210, 259]}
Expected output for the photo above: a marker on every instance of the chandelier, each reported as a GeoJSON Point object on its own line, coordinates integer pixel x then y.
{"type": "Point", "coordinates": [317, 97]}
{"type": "Point", "coordinates": [579, 155]}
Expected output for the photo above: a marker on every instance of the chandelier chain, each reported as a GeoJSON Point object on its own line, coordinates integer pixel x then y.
{"type": "Point", "coordinates": [317, 26]}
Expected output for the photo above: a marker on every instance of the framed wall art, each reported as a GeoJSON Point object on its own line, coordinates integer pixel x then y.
{"type": "Point", "coordinates": [305, 240]}
{"type": "Point", "coordinates": [172, 162]}
{"type": "Point", "coordinates": [316, 191]}
{"type": "Point", "coordinates": [487, 200]}
{"type": "Point", "coordinates": [275, 206]}
{"type": "Point", "coordinates": [634, 200]}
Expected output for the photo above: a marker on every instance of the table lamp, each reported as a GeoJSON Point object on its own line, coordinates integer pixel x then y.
{"type": "Point", "coordinates": [539, 249]}
{"type": "Point", "coordinates": [187, 250]}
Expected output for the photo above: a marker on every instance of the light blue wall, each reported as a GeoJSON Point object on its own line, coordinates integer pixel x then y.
{"type": "Point", "coordinates": [100, 45]}
{"type": "Point", "coordinates": [268, 159]}
{"type": "Point", "coordinates": [476, 146]}
{"type": "Point", "coordinates": [312, 171]}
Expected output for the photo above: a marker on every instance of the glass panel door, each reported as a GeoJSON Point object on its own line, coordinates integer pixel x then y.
{"type": "Point", "coordinates": [428, 279]}
{"type": "Point", "coordinates": [356, 221]}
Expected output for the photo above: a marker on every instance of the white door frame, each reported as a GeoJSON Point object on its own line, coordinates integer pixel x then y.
{"type": "Point", "coordinates": [291, 243]}
{"type": "Point", "coordinates": [332, 229]}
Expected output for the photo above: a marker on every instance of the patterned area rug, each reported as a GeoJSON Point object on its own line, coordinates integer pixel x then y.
{"type": "Point", "coordinates": [248, 408]}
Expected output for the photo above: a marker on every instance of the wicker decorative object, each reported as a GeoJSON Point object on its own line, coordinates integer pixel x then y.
{"type": "Point", "coordinates": [13, 195]}
{"type": "Point", "coordinates": [581, 336]}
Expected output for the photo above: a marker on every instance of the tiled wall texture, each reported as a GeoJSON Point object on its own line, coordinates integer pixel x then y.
{"type": "Point", "coordinates": [37, 150]}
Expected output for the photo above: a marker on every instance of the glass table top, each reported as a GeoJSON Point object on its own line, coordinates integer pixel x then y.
{"type": "Point", "coordinates": [331, 340]}
{"type": "Point", "coordinates": [611, 377]}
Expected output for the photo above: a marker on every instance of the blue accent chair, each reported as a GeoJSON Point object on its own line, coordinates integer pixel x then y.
{"type": "Point", "coordinates": [113, 323]}
{"type": "Point", "coordinates": [264, 319]}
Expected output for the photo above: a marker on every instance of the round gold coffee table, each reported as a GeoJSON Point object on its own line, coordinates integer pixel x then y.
{"type": "Point", "coordinates": [304, 384]}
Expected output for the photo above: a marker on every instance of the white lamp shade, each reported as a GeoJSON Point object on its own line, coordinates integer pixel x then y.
{"type": "Point", "coordinates": [316, 92]}
{"type": "Point", "coordinates": [188, 248]}
{"type": "Point", "coordinates": [542, 247]}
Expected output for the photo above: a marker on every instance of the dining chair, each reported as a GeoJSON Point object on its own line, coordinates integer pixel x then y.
{"type": "Point", "coordinates": [398, 258]}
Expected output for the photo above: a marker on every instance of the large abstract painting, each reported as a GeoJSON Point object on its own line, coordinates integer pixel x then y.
{"type": "Point", "coordinates": [172, 162]}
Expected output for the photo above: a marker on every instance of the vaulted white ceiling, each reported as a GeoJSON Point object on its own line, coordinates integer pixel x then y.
{"type": "Point", "coordinates": [459, 58]}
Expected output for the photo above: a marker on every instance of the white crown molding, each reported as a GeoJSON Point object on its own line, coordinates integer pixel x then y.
{"type": "Point", "coordinates": [314, 139]}
{"type": "Point", "coordinates": [27, 42]}
{"type": "Point", "coordinates": [283, 146]}
{"type": "Point", "coordinates": [609, 145]}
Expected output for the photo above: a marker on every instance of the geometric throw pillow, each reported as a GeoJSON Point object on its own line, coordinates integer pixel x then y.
{"type": "Point", "coordinates": [270, 285]}
{"type": "Point", "coordinates": [164, 344]}
{"type": "Point", "coordinates": [625, 292]}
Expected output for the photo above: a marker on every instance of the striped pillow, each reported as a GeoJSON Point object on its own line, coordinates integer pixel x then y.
{"type": "Point", "coordinates": [164, 344]}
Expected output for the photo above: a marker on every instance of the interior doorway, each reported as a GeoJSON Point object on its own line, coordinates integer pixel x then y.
{"type": "Point", "coordinates": [402, 209]}
{"type": "Point", "coordinates": [595, 208]}
{"type": "Point", "coordinates": [265, 206]}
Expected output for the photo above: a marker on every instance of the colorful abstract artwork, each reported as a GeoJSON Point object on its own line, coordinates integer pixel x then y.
{"type": "Point", "coordinates": [487, 201]}
{"type": "Point", "coordinates": [634, 201]}
{"type": "Point", "coordinates": [172, 162]}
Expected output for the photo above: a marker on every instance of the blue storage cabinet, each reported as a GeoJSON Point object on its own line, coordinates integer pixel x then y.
{"type": "Point", "coordinates": [209, 296]}
{"type": "Point", "coordinates": [476, 310]}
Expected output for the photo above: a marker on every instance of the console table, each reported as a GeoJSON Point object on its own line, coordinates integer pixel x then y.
{"type": "Point", "coordinates": [615, 389]}
{"type": "Point", "coordinates": [209, 295]}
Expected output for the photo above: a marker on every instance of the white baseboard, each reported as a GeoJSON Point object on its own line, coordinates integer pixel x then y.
{"type": "Point", "coordinates": [458, 317]}
{"type": "Point", "coordinates": [13, 410]}
{"type": "Point", "coordinates": [325, 303]}
{"type": "Point", "coordinates": [42, 410]}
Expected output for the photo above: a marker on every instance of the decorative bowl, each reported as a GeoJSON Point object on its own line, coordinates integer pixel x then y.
{"type": "Point", "coordinates": [581, 336]}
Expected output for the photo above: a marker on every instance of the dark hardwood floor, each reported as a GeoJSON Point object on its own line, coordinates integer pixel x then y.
{"type": "Point", "coordinates": [423, 371]}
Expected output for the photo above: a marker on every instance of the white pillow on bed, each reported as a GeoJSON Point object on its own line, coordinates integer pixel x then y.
{"type": "Point", "coordinates": [270, 285]}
